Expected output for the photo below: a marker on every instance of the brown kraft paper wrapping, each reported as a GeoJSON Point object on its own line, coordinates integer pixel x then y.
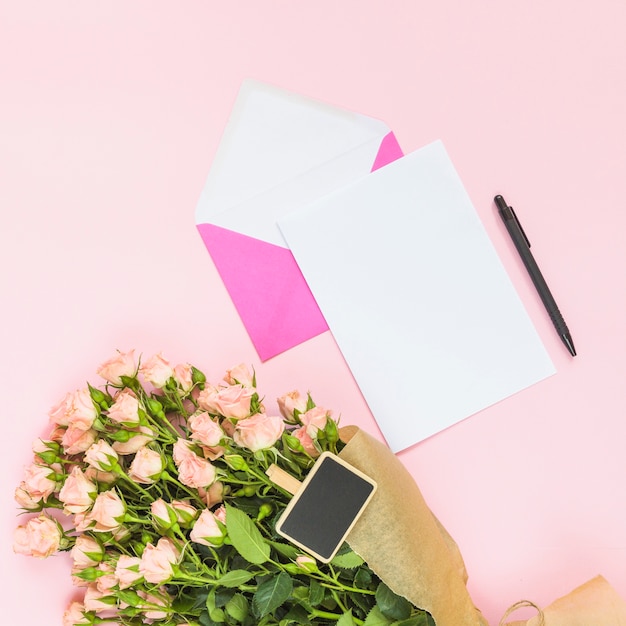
{"type": "Point", "coordinates": [595, 603]}
{"type": "Point", "coordinates": [402, 541]}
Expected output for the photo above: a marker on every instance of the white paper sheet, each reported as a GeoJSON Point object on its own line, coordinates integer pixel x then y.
{"type": "Point", "coordinates": [416, 296]}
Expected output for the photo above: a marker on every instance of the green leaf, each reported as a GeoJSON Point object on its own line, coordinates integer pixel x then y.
{"type": "Point", "coordinates": [392, 605]}
{"type": "Point", "coordinates": [297, 614]}
{"type": "Point", "coordinates": [346, 620]}
{"type": "Point", "coordinates": [205, 619]}
{"type": "Point", "coordinates": [376, 618]}
{"type": "Point", "coordinates": [237, 607]}
{"type": "Point", "coordinates": [348, 560]}
{"type": "Point", "coordinates": [246, 537]}
{"type": "Point", "coordinates": [129, 597]}
{"type": "Point", "coordinates": [287, 550]}
{"type": "Point", "coordinates": [363, 578]}
{"type": "Point", "coordinates": [421, 619]}
{"type": "Point", "coordinates": [223, 596]}
{"type": "Point", "coordinates": [191, 603]}
{"type": "Point", "coordinates": [316, 593]}
{"type": "Point", "coordinates": [272, 593]}
{"type": "Point", "coordinates": [215, 614]}
{"type": "Point", "coordinates": [235, 578]}
{"type": "Point", "coordinates": [363, 604]}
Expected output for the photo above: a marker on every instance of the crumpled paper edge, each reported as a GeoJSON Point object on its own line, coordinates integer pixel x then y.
{"type": "Point", "coordinates": [402, 541]}
{"type": "Point", "coordinates": [594, 603]}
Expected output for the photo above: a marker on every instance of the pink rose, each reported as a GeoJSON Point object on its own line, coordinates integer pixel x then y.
{"type": "Point", "coordinates": [59, 413]}
{"type": "Point", "coordinates": [81, 524]}
{"type": "Point", "coordinates": [306, 441]}
{"type": "Point", "coordinates": [215, 493]}
{"type": "Point", "coordinates": [76, 440]}
{"type": "Point", "coordinates": [290, 402]}
{"type": "Point", "coordinates": [165, 515]}
{"type": "Point", "coordinates": [96, 601]}
{"type": "Point", "coordinates": [240, 375]}
{"type": "Point", "coordinates": [306, 563]}
{"type": "Point", "coordinates": [78, 492]}
{"type": "Point", "coordinates": [157, 370]}
{"type": "Point", "coordinates": [259, 431]}
{"type": "Point", "coordinates": [207, 399]}
{"type": "Point", "coordinates": [139, 437]}
{"type": "Point", "coordinates": [314, 419]}
{"type": "Point", "coordinates": [183, 376]}
{"type": "Point", "coordinates": [39, 537]}
{"type": "Point", "coordinates": [98, 476]}
{"type": "Point", "coordinates": [181, 450]}
{"type": "Point", "coordinates": [205, 430]}
{"type": "Point", "coordinates": [147, 466]}
{"type": "Point", "coordinates": [107, 513]}
{"type": "Point", "coordinates": [57, 434]}
{"type": "Point", "coordinates": [125, 408]}
{"type": "Point", "coordinates": [42, 448]}
{"type": "Point", "coordinates": [234, 401]}
{"type": "Point", "coordinates": [40, 481]}
{"type": "Point", "coordinates": [212, 453]}
{"type": "Point", "coordinates": [196, 472]}
{"type": "Point", "coordinates": [220, 514]}
{"type": "Point", "coordinates": [207, 530]}
{"type": "Point", "coordinates": [127, 571]}
{"type": "Point", "coordinates": [153, 603]}
{"type": "Point", "coordinates": [107, 581]}
{"type": "Point", "coordinates": [25, 499]}
{"type": "Point", "coordinates": [185, 513]}
{"type": "Point", "coordinates": [121, 365]}
{"type": "Point", "coordinates": [157, 561]}
{"type": "Point", "coordinates": [86, 552]}
{"type": "Point", "coordinates": [75, 615]}
{"type": "Point", "coordinates": [121, 534]}
{"type": "Point", "coordinates": [83, 411]}
{"type": "Point", "coordinates": [101, 456]}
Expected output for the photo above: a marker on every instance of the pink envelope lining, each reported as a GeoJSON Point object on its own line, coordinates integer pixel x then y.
{"type": "Point", "coordinates": [253, 269]}
{"type": "Point", "coordinates": [389, 151]}
{"type": "Point", "coordinates": [266, 285]}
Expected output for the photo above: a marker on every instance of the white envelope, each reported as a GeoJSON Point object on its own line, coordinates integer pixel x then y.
{"type": "Point", "coordinates": [416, 296]}
{"type": "Point", "coordinates": [279, 151]}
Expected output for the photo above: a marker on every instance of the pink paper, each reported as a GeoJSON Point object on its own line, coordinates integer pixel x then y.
{"type": "Point", "coordinates": [267, 288]}
{"type": "Point", "coordinates": [389, 151]}
{"type": "Point", "coordinates": [265, 283]}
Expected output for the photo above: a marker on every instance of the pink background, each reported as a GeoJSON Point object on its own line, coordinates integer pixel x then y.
{"type": "Point", "coordinates": [110, 114]}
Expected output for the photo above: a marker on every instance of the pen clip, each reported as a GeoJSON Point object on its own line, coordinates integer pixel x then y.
{"type": "Point", "coordinates": [519, 225]}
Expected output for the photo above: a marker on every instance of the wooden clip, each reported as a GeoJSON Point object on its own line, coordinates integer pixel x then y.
{"type": "Point", "coordinates": [283, 479]}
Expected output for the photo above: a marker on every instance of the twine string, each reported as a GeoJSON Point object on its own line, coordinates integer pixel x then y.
{"type": "Point", "coordinates": [519, 605]}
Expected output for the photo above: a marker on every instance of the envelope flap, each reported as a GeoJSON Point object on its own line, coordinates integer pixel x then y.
{"type": "Point", "coordinates": [258, 216]}
{"type": "Point", "coordinates": [273, 136]}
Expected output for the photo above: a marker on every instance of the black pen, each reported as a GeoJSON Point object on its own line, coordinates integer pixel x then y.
{"type": "Point", "coordinates": [523, 247]}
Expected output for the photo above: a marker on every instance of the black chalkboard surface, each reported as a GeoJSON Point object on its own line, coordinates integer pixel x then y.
{"type": "Point", "coordinates": [327, 505]}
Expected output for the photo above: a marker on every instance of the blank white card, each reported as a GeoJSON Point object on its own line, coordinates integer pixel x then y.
{"type": "Point", "coordinates": [416, 297]}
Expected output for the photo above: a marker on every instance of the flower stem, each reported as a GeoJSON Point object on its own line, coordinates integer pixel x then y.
{"type": "Point", "coordinates": [334, 616]}
{"type": "Point", "coordinates": [170, 479]}
{"type": "Point", "coordinates": [120, 472]}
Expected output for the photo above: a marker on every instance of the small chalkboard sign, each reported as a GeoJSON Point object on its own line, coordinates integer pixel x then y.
{"type": "Point", "coordinates": [326, 507]}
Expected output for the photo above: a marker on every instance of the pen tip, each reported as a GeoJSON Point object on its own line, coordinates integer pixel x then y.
{"type": "Point", "coordinates": [567, 340]}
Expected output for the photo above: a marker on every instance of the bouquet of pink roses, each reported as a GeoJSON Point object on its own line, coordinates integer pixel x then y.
{"type": "Point", "coordinates": [155, 482]}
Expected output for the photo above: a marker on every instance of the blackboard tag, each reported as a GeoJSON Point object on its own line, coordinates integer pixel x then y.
{"type": "Point", "coordinates": [326, 507]}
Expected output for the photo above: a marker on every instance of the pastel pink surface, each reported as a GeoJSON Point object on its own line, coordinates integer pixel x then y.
{"type": "Point", "coordinates": [110, 116]}
{"type": "Point", "coordinates": [266, 285]}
